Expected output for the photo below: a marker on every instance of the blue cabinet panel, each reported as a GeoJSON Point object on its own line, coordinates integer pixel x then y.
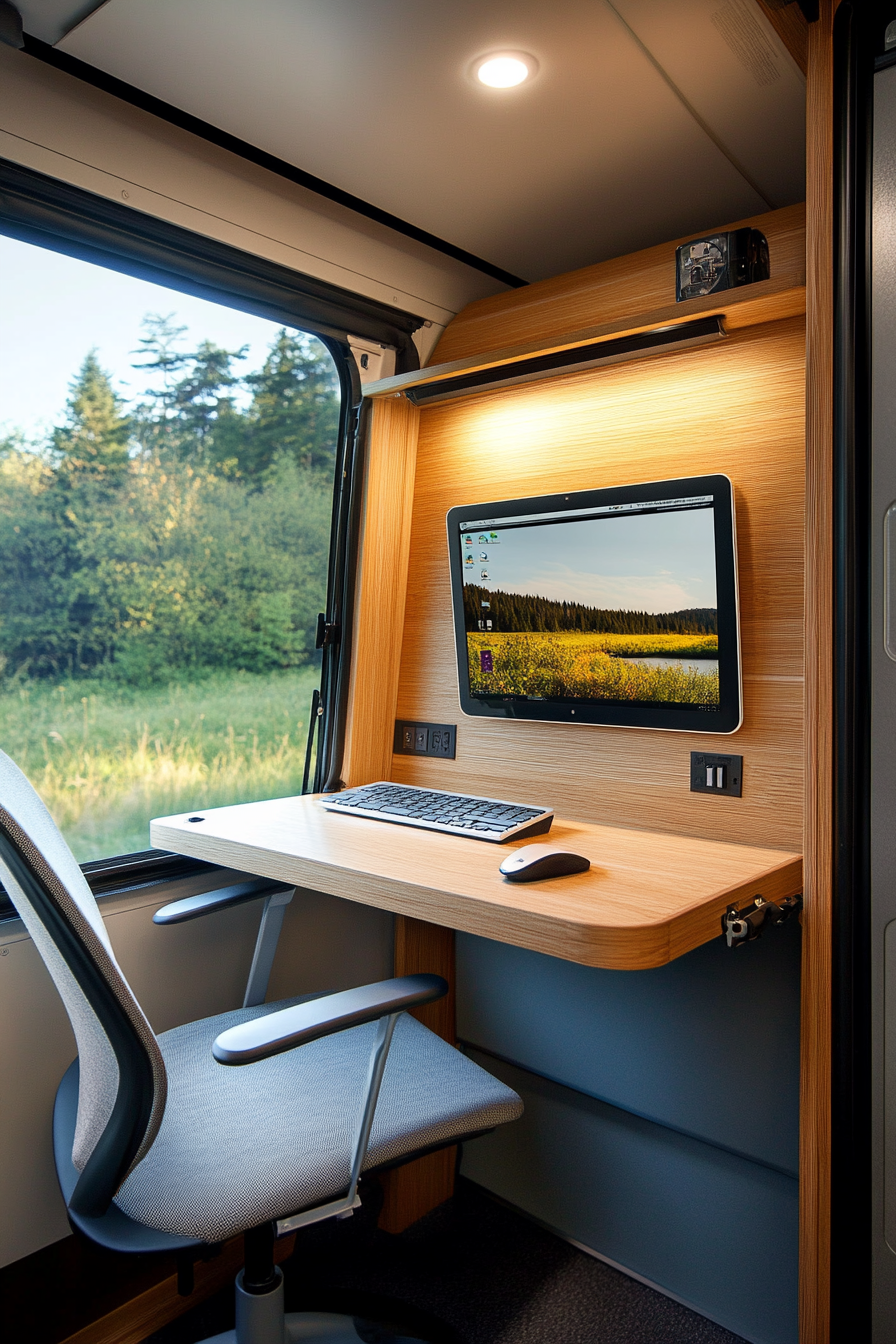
{"type": "Point", "coordinates": [716, 1230]}
{"type": "Point", "coordinates": [708, 1044]}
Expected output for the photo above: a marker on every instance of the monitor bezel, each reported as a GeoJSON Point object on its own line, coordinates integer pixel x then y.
{"type": "Point", "coordinates": [727, 718]}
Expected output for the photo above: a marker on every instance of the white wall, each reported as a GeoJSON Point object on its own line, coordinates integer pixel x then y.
{"type": "Point", "coordinates": [55, 124]}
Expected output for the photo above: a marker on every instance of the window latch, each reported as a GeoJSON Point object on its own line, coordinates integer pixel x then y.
{"type": "Point", "coordinates": [328, 632]}
{"type": "Point", "coordinates": [742, 926]}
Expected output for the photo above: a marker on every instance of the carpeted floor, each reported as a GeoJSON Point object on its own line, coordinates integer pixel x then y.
{"type": "Point", "coordinates": [471, 1272]}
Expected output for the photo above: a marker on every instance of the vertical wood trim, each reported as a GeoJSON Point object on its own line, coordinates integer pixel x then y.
{"type": "Point", "coordinates": [380, 590]}
{"type": "Point", "coordinates": [412, 1190]}
{"type": "Point", "coordinates": [420, 946]}
{"type": "Point", "coordinates": [815, 1089]}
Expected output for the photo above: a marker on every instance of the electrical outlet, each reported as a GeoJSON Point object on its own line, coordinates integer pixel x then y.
{"type": "Point", "coordinates": [711, 773]}
{"type": "Point", "coordinates": [425, 739]}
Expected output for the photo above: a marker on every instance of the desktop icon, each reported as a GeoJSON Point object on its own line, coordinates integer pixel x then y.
{"type": "Point", "coordinates": [493, 537]}
{"type": "Point", "coordinates": [468, 559]}
{"type": "Point", "coordinates": [483, 574]}
{"type": "Point", "coordinates": [483, 555]}
{"type": "Point", "coordinates": [482, 538]}
{"type": "Point", "coordinates": [468, 541]}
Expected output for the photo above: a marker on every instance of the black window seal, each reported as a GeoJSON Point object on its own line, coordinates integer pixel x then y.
{"type": "Point", "coordinates": [52, 214]}
{"type": "Point", "coordinates": [117, 876]}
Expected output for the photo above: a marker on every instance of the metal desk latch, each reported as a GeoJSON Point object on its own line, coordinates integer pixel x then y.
{"type": "Point", "coordinates": [742, 926]}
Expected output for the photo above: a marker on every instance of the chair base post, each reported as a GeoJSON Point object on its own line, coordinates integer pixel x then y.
{"type": "Point", "coordinates": [259, 1316]}
{"type": "Point", "coordinates": [308, 1327]}
{"type": "Point", "coordinates": [260, 1320]}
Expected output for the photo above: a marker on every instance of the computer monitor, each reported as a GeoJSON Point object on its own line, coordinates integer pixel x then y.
{"type": "Point", "coordinates": [615, 606]}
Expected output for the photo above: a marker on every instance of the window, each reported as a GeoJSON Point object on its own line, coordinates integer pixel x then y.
{"type": "Point", "coordinates": [180, 484]}
{"type": "Point", "coordinates": [166, 492]}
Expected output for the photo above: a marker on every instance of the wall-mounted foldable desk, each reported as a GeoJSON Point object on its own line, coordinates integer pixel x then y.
{"type": "Point", "coordinates": [647, 899]}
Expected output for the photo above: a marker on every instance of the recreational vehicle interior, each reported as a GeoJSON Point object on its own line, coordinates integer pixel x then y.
{"type": "Point", "coordinates": [476, 402]}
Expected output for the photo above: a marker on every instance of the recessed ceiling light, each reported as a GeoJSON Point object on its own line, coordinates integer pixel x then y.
{"type": "Point", "coordinates": [505, 69]}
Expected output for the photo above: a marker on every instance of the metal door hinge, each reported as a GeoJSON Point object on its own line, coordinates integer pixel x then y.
{"type": "Point", "coordinates": [742, 926]}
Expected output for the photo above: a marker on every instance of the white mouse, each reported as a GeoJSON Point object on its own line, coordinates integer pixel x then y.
{"type": "Point", "coordinates": [534, 862]}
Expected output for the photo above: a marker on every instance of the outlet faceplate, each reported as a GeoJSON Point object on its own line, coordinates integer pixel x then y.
{"type": "Point", "coordinates": [711, 773]}
{"type": "Point", "coordinates": [425, 739]}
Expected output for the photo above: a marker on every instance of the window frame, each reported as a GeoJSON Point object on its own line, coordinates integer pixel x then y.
{"type": "Point", "coordinates": [49, 213]}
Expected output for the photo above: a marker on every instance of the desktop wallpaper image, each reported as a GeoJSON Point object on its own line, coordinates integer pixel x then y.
{"type": "Point", "coordinates": [615, 608]}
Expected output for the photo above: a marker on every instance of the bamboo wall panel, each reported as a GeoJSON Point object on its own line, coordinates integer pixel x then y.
{"type": "Point", "coordinates": [614, 291]}
{"type": "Point", "coordinates": [738, 408]}
{"type": "Point", "coordinates": [380, 592]}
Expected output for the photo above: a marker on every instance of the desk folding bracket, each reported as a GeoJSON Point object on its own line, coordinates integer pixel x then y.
{"type": "Point", "coordinates": [743, 926]}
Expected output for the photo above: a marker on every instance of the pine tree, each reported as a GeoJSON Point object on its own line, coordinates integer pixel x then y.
{"type": "Point", "coordinates": [92, 446]}
{"type": "Point", "coordinates": [158, 346]}
{"type": "Point", "coordinates": [295, 406]}
{"type": "Point", "coordinates": [189, 413]}
{"type": "Point", "coordinates": [210, 429]}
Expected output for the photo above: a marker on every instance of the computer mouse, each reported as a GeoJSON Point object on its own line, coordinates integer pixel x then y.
{"type": "Point", "coordinates": [531, 863]}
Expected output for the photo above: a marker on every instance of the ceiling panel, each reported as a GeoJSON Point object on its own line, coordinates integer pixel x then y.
{"type": "Point", "coordinates": [610, 148]}
{"type": "Point", "coordinates": [728, 62]}
{"type": "Point", "coordinates": [52, 19]}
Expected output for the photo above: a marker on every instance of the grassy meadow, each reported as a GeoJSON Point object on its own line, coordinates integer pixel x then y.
{"type": "Point", "coordinates": [593, 666]}
{"type": "Point", "coordinates": [106, 759]}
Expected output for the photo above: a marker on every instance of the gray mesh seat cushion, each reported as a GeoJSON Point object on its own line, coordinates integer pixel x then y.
{"type": "Point", "coordinates": [240, 1145]}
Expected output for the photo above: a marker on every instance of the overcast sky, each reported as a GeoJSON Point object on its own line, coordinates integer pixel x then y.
{"type": "Point", "coordinates": [651, 562]}
{"type": "Point", "coordinates": [53, 309]}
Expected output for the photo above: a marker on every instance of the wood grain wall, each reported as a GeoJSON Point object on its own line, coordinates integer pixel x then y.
{"type": "Point", "coordinates": [738, 408]}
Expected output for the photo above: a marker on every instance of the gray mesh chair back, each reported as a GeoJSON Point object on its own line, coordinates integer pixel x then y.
{"type": "Point", "coordinates": [122, 1083]}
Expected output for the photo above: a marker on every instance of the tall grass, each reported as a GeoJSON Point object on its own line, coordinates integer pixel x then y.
{"type": "Point", "coordinates": [105, 760]}
{"type": "Point", "coordinates": [583, 665]}
{"type": "Point", "coordinates": [647, 646]}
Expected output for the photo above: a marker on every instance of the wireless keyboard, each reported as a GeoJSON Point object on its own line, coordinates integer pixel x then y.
{"type": "Point", "coordinates": [455, 813]}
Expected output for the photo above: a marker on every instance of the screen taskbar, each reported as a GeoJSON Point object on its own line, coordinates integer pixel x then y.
{"type": "Point", "coordinates": [602, 510]}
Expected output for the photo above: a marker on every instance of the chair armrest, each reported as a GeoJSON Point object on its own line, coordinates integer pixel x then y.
{"type": "Point", "coordinates": [192, 907]}
{"type": "Point", "coordinates": [271, 1035]}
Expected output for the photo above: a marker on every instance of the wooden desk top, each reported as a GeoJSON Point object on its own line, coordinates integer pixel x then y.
{"type": "Point", "coordinates": [647, 898]}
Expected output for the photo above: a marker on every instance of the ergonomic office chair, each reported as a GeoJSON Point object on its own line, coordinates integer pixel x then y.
{"type": "Point", "coordinates": [258, 1120]}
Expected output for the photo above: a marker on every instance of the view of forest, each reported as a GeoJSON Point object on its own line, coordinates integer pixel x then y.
{"type": "Point", "coordinates": [520, 612]}
{"type": "Point", "coordinates": [162, 564]}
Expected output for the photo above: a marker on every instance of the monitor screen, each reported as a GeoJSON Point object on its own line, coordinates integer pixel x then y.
{"type": "Point", "coordinates": [614, 606]}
